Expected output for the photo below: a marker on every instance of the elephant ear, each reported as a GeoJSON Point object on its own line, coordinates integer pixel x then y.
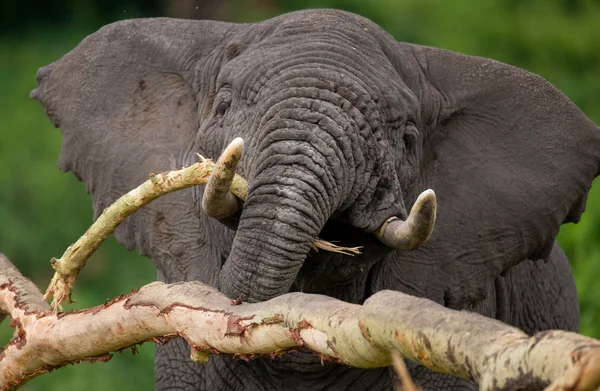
{"type": "Point", "coordinates": [510, 159]}
{"type": "Point", "coordinates": [126, 102]}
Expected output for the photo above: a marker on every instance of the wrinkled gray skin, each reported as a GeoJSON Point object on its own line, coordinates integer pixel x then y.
{"type": "Point", "coordinates": [344, 127]}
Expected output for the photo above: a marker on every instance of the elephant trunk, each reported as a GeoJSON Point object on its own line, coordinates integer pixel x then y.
{"type": "Point", "coordinates": [290, 197]}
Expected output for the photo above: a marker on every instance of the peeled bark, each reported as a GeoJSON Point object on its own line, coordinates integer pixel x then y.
{"type": "Point", "coordinates": [493, 354]}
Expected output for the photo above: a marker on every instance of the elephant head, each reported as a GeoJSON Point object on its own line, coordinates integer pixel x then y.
{"type": "Point", "coordinates": [343, 128]}
{"type": "Point", "coordinates": [340, 122]}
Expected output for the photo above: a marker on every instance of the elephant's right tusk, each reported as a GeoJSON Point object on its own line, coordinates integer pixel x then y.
{"type": "Point", "coordinates": [416, 230]}
{"type": "Point", "coordinates": [218, 201]}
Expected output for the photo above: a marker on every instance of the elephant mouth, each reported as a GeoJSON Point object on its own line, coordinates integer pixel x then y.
{"type": "Point", "coordinates": [220, 202]}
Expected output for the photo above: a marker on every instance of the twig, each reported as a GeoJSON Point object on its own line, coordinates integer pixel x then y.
{"type": "Point", "coordinates": [328, 246]}
{"type": "Point", "coordinates": [402, 372]}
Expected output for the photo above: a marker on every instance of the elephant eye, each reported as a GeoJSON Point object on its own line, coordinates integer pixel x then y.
{"type": "Point", "coordinates": [410, 136]}
{"type": "Point", "coordinates": [221, 108]}
{"type": "Point", "coordinates": [222, 102]}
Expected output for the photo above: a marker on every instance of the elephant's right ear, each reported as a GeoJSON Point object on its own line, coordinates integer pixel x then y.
{"type": "Point", "coordinates": [509, 156]}
{"type": "Point", "coordinates": [126, 100]}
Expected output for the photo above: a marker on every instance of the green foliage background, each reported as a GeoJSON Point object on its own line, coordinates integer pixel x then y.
{"type": "Point", "coordinates": [43, 210]}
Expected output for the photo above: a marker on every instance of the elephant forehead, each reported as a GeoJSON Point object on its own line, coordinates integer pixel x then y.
{"type": "Point", "coordinates": [315, 30]}
{"type": "Point", "coordinates": [354, 27]}
{"type": "Point", "coordinates": [360, 47]}
{"type": "Point", "coordinates": [323, 60]}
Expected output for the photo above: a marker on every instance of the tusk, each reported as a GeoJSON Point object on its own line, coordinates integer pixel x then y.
{"type": "Point", "coordinates": [416, 230]}
{"type": "Point", "coordinates": [218, 201]}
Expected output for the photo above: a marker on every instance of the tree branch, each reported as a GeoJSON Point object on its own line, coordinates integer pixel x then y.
{"type": "Point", "coordinates": [30, 298]}
{"type": "Point", "coordinates": [73, 260]}
{"type": "Point", "coordinates": [464, 344]}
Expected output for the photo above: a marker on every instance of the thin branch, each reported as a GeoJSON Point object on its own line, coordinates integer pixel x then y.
{"type": "Point", "coordinates": [328, 246]}
{"type": "Point", "coordinates": [402, 372]}
{"type": "Point", "coordinates": [73, 260]}
{"type": "Point", "coordinates": [463, 344]}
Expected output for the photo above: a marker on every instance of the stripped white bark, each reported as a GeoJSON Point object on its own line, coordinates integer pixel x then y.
{"type": "Point", "coordinates": [464, 344]}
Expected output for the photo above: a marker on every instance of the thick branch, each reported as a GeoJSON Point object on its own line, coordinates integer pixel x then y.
{"type": "Point", "coordinates": [11, 280]}
{"type": "Point", "coordinates": [464, 344]}
{"type": "Point", "coordinates": [73, 260]}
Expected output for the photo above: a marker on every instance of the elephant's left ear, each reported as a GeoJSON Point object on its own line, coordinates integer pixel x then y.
{"type": "Point", "coordinates": [510, 157]}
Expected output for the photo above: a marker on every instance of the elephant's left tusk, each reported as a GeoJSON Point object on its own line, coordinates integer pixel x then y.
{"type": "Point", "coordinates": [416, 230]}
{"type": "Point", "coordinates": [218, 202]}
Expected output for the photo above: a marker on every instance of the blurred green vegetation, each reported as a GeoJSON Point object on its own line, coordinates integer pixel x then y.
{"type": "Point", "coordinates": [43, 210]}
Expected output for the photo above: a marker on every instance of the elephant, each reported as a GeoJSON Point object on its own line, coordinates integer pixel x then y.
{"type": "Point", "coordinates": [344, 129]}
